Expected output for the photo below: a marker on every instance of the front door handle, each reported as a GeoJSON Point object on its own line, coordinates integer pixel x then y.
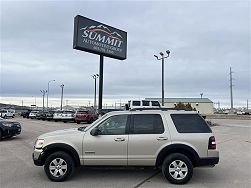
{"type": "Point", "coordinates": [162, 138]}
{"type": "Point", "coordinates": [119, 139]}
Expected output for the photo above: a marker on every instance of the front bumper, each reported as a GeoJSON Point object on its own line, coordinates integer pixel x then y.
{"type": "Point", "coordinates": [38, 157]}
{"type": "Point", "coordinates": [11, 131]}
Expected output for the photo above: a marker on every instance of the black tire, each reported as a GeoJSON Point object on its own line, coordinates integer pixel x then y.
{"type": "Point", "coordinates": [68, 162]}
{"type": "Point", "coordinates": [177, 158]}
{"type": "Point", "coordinates": [0, 134]}
{"type": "Point", "coordinates": [78, 122]}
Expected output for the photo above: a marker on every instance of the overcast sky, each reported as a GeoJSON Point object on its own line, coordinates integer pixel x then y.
{"type": "Point", "coordinates": [205, 38]}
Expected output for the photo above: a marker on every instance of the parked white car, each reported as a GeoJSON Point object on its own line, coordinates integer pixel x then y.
{"type": "Point", "coordinates": [64, 116]}
{"type": "Point", "coordinates": [33, 114]}
{"type": "Point", "coordinates": [134, 104]}
{"type": "Point", "coordinates": [7, 113]}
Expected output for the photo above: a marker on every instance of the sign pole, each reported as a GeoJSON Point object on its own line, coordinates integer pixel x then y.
{"type": "Point", "coordinates": [101, 68]}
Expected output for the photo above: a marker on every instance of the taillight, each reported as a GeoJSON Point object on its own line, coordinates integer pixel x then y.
{"type": "Point", "coordinates": [212, 143]}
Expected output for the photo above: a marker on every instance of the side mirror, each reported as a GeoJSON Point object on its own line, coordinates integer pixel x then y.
{"type": "Point", "coordinates": [95, 132]}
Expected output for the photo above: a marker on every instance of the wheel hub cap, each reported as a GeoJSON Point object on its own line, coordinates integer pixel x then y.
{"type": "Point", "coordinates": [178, 169]}
{"type": "Point", "coordinates": [58, 167]}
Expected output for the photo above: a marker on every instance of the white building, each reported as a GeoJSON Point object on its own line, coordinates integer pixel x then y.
{"type": "Point", "coordinates": [202, 105]}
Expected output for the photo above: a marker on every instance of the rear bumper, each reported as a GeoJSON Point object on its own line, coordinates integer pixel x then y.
{"type": "Point", "coordinates": [81, 119]}
{"type": "Point", "coordinates": [209, 161]}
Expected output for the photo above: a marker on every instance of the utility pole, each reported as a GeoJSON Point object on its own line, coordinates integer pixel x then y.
{"type": "Point", "coordinates": [95, 77]}
{"type": "Point", "coordinates": [231, 90]}
{"type": "Point", "coordinates": [62, 93]}
{"type": "Point", "coordinates": [43, 93]}
{"type": "Point", "coordinates": [247, 104]}
{"type": "Point", "coordinates": [162, 58]}
{"type": "Point", "coordinates": [48, 89]}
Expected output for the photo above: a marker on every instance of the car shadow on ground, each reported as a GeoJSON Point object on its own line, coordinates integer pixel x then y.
{"type": "Point", "coordinates": [102, 172]}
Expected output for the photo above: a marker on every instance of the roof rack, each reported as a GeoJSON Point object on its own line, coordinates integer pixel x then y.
{"type": "Point", "coordinates": [162, 109]}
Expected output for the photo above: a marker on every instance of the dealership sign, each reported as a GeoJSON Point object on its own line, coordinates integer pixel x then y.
{"type": "Point", "coordinates": [98, 38]}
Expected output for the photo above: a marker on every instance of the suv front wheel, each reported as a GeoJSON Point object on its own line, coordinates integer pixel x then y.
{"type": "Point", "coordinates": [59, 166]}
{"type": "Point", "coordinates": [177, 168]}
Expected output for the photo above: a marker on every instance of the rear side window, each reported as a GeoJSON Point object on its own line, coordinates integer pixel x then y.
{"type": "Point", "coordinates": [146, 124]}
{"type": "Point", "coordinates": [146, 103]}
{"type": "Point", "coordinates": [190, 123]}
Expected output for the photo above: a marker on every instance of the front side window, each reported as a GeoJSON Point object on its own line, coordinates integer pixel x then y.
{"type": "Point", "coordinates": [115, 125]}
{"type": "Point", "coordinates": [147, 124]}
{"type": "Point", "coordinates": [135, 103]}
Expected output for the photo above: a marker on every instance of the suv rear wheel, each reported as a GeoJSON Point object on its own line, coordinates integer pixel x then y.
{"type": "Point", "coordinates": [59, 166]}
{"type": "Point", "coordinates": [177, 168]}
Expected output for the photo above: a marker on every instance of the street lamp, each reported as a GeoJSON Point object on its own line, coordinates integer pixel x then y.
{"type": "Point", "coordinates": [43, 93]}
{"type": "Point", "coordinates": [48, 89]}
{"type": "Point", "coordinates": [95, 77]}
{"type": "Point", "coordinates": [62, 93]}
{"type": "Point", "coordinates": [163, 57]}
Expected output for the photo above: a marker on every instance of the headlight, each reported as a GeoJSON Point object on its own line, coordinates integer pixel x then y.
{"type": "Point", "coordinates": [7, 124]}
{"type": "Point", "coordinates": [39, 144]}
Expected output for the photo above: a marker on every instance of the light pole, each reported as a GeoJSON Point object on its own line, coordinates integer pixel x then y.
{"type": "Point", "coordinates": [95, 77]}
{"type": "Point", "coordinates": [163, 61]}
{"type": "Point", "coordinates": [62, 93]}
{"type": "Point", "coordinates": [43, 93]}
{"type": "Point", "coordinates": [48, 89]}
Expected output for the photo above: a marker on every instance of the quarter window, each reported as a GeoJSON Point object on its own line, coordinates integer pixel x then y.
{"type": "Point", "coordinates": [190, 123]}
{"type": "Point", "coordinates": [147, 124]}
{"type": "Point", "coordinates": [155, 103]}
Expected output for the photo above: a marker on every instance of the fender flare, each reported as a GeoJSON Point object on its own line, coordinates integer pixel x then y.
{"type": "Point", "coordinates": [177, 148]}
{"type": "Point", "coordinates": [61, 147]}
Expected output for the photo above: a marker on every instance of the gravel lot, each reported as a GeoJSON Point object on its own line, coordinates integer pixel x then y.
{"type": "Point", "coordinates": [234, 170]}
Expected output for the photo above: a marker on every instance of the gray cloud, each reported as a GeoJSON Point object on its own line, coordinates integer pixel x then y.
{"type": "Point", "coordinates": [205, 39]}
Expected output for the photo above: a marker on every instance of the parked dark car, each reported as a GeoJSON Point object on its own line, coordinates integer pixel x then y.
{"type": "Point", "coordinates": [9, 128]}
{"type": "Point", "coordinates": [26, 114]}
{"type": "Point", "coordinates": [49, 115]}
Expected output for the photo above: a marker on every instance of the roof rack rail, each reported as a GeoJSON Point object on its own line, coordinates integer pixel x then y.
{"type": "Point", "coordinates": [162, 109]}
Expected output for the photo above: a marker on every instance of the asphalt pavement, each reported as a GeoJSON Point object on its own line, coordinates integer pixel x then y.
{"type": "Point", "coordinates": [234, 169]}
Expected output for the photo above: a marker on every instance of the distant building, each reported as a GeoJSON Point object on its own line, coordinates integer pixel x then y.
{"type": "Point", "coordinates": [202, 105]}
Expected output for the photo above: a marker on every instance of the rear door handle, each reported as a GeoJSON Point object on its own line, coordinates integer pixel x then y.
{"type": "Point", "coordinates": [119, 139]}
{"type": "Point", "coordinates": [162, 138]}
